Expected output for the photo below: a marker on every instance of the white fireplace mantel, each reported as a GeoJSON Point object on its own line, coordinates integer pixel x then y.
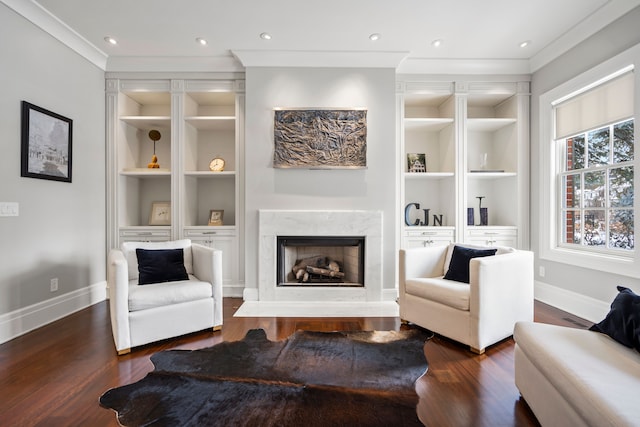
{"type": "Point", "coordinates": [274, 223]}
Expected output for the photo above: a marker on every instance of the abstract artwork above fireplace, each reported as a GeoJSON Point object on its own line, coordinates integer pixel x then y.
{"type": "Point", "coordinates": [320, 138]}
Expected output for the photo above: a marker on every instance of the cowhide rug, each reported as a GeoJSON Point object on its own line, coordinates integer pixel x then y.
{"type": "Point", "coordinates": [310, 379]}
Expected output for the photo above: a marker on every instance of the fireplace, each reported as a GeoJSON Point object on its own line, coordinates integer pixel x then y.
{"type": "Point", "coordinates": [312, 224]}
{"type": "Point", "coordinates": [320, 261]}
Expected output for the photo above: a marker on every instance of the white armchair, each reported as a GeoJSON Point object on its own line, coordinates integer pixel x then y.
{"type": "Point", "coordinates": [479, 313]}
{"type": "Point", "coordinates": [141, 314]}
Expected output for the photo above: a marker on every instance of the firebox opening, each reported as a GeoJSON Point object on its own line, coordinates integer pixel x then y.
{"type": "Point", "coordinates": [320, 261]}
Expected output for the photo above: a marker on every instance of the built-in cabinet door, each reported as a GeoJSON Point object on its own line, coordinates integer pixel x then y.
{"type": "Point", "coordinates": [224, 240]}
{"type": "Point", "coordinates": [487, 236]}
{"type": "Point", "coordinates": [145, 234]}
{"type": "Point", "coordinates": [427, 237]}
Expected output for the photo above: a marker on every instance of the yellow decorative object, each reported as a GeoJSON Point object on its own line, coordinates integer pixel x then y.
{"type": "Point", "coordinates": [217, 164]}
{"type": "Point", "coordinates": [154, 135]}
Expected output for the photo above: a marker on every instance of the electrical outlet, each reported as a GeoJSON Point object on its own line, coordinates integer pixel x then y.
{"type": "Point", "coordinates": [541, 271]}
{"type": "Point", "coordinates": [54, 284]}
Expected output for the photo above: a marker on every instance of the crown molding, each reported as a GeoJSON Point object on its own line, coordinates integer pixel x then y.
{"type": "Point", "coordinates": [176, 64]}
{"type": "Point", "coordinates": [41, 18]}
{"type": "Point", "coordinates": [320, 59]}
{"type": "Point", "coordinates": [464, 66]}
{"type": "Point", "coordinates": [589, 26]}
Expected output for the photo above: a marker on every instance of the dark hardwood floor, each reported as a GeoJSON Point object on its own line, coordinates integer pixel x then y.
{"type": "Point", "coordinates": [54, 376]}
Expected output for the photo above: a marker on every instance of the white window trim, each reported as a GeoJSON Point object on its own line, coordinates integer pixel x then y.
{"type": "Point", "coordinates": [549, 249]}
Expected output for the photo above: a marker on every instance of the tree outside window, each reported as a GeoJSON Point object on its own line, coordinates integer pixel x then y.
{"type": "Point", "coordinates": [597, 188]}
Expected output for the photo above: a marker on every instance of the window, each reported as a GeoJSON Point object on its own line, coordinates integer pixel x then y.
{"type": "Point", "coordinates": [597, 188]}
{"type": "Point", "coordinates": [587, 167]}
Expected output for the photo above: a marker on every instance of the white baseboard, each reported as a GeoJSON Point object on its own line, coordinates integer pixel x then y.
{"type": "Point", "coordinates": [390, 294]}
{"type": "Point", "coordinates": [580, 305]}
{"type": "Point", "coordinates": [233, 291]}
{"type": "Point", "coordinates": [250, 294]}
{"type": "Point", "coordinates": [26, 319]}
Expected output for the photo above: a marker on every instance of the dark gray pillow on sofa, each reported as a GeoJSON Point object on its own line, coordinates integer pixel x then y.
{"type": "Point", "coordinates": [623, 320]}
{"type": "Point", "coordinates": [160, 265]}
{"type": "Point", "coordinates": [459, 265]}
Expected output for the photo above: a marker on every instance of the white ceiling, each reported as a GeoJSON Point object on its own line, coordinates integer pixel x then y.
{"type": "Point", "coordinates": [473, 31]}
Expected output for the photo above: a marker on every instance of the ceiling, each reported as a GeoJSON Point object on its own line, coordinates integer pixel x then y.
{"type": "Point", "coordinates": [474, 33]}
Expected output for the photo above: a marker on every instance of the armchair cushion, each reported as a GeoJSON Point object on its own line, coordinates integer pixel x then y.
{"type": "Point", "coordinates": [446, 292]}
{"type": "Point", "coordinates": [160, 265]}
{"type": "Point", "coordinates": [142, 297]}
{"type": "Point", "coordinates": [459, 266]}
{"type": "Point", "coordinates": [129, 251]}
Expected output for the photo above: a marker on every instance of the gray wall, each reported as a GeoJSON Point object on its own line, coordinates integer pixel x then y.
{"type": "Point", "coordinates": [612, 40]}
{"type": "Point", "coordinates": [61, 228]}
{"type": "Point", "coordinates": [373, 188]}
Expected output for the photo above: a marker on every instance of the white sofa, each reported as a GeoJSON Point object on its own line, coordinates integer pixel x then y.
{"type": "Point", "coordinates": [141, 314]}
{"type": "Point", "coordinates": [479, 313]}
{"type": "Point", "coordinates": [576, 377]}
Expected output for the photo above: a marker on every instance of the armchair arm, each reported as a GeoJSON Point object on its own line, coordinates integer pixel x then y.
{"type": "Point", "coordinates": [118, 282]}
{"type": "Point", "coordinates": [501, 293]}
{"type": "Point", "coordinates": [207, 266]}
{"type": "Point", "coordinates": [423, 262]}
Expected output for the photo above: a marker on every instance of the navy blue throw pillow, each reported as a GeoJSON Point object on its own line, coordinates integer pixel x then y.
{"type": "Point", "coordinates": [160, 265]}
{"type": "Point", "coordinates": [459, 266]}
{"type": "Point", "coordinates": [623, 320]}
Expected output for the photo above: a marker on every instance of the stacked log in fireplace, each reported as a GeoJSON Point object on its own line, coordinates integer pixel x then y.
{"type": "Point", "coordinates": [317, 268]}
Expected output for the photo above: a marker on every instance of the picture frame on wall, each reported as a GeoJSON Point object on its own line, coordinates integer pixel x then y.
{"type": "Point", "coordinates": [216, 217]}
{"type": "Point", "coordinates": [160, 213]}
{"type": "Point", "coordinates": [46, 149]}
{"type": "Point", "coordinates": [416, 163]}
{"type": "Point", "coordinates": [320, 138]}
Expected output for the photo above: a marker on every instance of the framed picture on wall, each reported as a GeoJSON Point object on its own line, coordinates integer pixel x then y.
{"type": "Point", "coordinates": [46, 144]}
{"type": "Point", "coordinates": [160, 213]}
{"type": "Point", "coordinates": [216, 216]}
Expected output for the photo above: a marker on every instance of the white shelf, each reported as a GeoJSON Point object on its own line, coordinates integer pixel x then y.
{"type": "Point", "coordinates": [210, 174]}
{"type": "Point", "coordinates": [146, 173]}
{"type": "Point", "coordinates": [427, 123]}
{"type": "Point", "coordinates": [428, 175]}
{"type": "Point", "coordinates": [488, 124]}
{"type": "Point", "coordinates": [490, 175]}
{"type": "Point", "coordinates": [147, 122]}
{"type": "Point", "coordinates": [212, 122]}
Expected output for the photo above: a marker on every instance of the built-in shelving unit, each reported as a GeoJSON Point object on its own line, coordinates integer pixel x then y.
{"type": "Point", "coordinates": [198, 120]}
{"type": "Point", "coordinates": [474, 137]}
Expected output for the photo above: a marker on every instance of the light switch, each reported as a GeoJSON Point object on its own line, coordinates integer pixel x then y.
{"type": "Point", "coordinates": [9, 209]}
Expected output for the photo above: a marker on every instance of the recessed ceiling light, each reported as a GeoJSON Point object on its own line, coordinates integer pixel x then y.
{"type": "Point", "coordinates": [375, 36]}
{"type": "Point", "coordinates": [201, 41]}
{"type": "Point", "coordinates": [525, 43]}
{"type": "Point", "coordinates": [265, 36]}
{"type": "Point", "coordinates": [436, 43]}
{"type": "Point", "coordinates": [110, 40]}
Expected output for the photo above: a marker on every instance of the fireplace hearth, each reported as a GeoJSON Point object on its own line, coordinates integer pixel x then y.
{"type": "Point", "coordinates": [320, 261]}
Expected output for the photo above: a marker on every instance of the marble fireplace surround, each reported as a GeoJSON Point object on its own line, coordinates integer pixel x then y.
{"type": "Point", "coordinates": [274, 223]}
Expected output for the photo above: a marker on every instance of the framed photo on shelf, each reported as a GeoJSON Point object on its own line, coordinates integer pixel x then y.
{"type": "Point", "coordinates": [416, 163]}
{"type": "Point", "coordinates": [46, 144]}
{"type": "Point", "coordinates": [215, 217]}
{"type": "Point", "coordinates": [160, 213]}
